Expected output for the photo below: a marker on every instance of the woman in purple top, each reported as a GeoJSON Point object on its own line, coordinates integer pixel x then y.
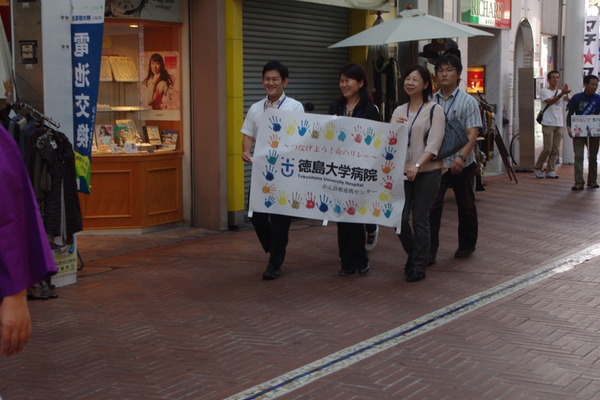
{"type": "Point", "coordinates": [25, 255]}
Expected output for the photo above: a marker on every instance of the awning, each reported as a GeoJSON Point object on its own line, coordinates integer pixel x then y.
{"type": "Point", "coordinates": [381, 5]}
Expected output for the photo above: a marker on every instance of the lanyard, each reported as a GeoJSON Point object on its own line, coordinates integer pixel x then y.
{"type": "Point", "coordinates": [437, 100]}
{"type": "Point", "coordinates": [280, 103]}
{"type": "Point", "coordinates": [413, 121]}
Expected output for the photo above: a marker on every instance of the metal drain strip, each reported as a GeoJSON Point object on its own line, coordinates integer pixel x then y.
{"type": "Point", "coordinates": [353, 354]}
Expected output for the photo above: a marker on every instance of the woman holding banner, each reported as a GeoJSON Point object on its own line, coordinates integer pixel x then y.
{"type": "Point", "coordinates": [426, 125]}
{"type": "Point", "coordinates": [355, 102]}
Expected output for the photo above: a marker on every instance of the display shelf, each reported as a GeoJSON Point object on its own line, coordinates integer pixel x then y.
{"type": "Point", "coordinates": [136, 184]}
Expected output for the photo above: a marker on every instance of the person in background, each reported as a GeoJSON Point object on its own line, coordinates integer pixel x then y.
{"type": "Point", "coordinates": [553, 99]}
{"type": "Point", "coordinates": [271, 229]}
{"type": "Point", "coordinates": [158, 80]}
{"type": "Point", "coordinates": [425, 121]}
{"type": "Point", "coordinates": [585, 103]}
{"type": "Point", "coordinates": [354, 102]}
{"type": "Point", "coordinates": [25, 255]}
{"type": "Point", "coordinates": [458, 105]}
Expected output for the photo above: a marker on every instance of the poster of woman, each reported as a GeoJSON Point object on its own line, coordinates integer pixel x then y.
{"type": "Point", "coordinates": [160, 83]}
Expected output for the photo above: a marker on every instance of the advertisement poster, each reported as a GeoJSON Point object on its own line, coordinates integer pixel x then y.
{"type": "Point", "coordinates": [476, 79]}
{"type": "Point", "coordinates": [585, 125]}
{"type": "Point", "coordinates": [160, 85]}
{"type": "Point", "coordinates": [87, 25]}
{"type": "Point", "coordinates": [154, 10]}
{"type": "Point", "coordinates": [329, 168]}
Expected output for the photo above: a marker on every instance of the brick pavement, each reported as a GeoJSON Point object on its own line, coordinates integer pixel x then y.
{"type": "Point", "coordinates": [193, 319]}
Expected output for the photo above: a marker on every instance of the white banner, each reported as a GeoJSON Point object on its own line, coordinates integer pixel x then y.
{"type": "Point", "coordinates": [585, 125]}
{"type": "Point", "coordinates": [329, 168]}
{"type": "Point", "coordinates": [590, 45]}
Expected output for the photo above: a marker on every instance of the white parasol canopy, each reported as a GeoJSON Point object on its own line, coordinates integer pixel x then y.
{"type": "Point", "coordinates": [410, 25]}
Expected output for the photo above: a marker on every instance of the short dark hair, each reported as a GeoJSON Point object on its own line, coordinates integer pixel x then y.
{"type": "Point", "coordinates": [274, 65]}
{"type": "Point", "coordinates": [588, 78]}
{"type": "Point", "coordinates": [449, 59]}
{"type": "Point", "coordinates": [358, 73]}
{"type": "Point", "coordinates": [549, 75]}
{"type": "Point", "coordinates": [426, 75]}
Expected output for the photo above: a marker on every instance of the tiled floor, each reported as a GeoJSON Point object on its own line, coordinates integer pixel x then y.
{"type": "Point", "coordinates": [184, 314]}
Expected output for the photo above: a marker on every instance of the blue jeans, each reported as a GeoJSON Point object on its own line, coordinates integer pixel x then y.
{"type": "Point", "coordinates": [418, 198]}
{"type": "Point", "coordinates": [462, 185]}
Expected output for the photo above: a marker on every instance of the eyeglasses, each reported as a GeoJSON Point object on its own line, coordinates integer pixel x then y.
{"type": "Point", "coordinates": [446, 70]}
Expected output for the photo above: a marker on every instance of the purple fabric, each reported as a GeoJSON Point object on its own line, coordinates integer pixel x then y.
{"type": "Point", "coordinates": [25, 255]}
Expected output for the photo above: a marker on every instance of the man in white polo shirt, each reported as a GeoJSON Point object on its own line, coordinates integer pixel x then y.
{"type": "Point", "coordinates": [271, 229]}
{"type": "Point", "coordinates": [553, 102]}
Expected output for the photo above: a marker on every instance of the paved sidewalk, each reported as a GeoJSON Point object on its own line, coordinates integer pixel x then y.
{"type": "Point", "coordinates": [192, 319]}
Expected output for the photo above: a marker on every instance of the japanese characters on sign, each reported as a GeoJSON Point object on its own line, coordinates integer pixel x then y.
{"type": "Point", "coordinates": [329, 168]}
{"type": "Point", "coordinates": [585, 125]}
{"type": "Point", "coordinates": [86, 44]}
{"type": "Point", "coordinates": [590, 46]}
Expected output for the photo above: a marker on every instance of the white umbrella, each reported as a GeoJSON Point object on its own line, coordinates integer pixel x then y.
{"type": "Point", "coordinates": [410, 25]}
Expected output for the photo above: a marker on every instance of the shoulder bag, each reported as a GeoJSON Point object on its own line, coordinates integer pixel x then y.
{"type": "Point", "coordinates": [540, 115]}
{"type": "Point", "coordinates": [455, 136]}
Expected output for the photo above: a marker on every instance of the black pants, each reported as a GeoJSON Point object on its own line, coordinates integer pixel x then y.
{"type": "Point", "coordinates": [272, 231]}
{"type": "Point", "coordinates": [462, 185]}
{"type": "Point", "coordinates": [351, 246]}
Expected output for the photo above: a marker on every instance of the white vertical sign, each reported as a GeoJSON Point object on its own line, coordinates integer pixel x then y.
{"type": "Point", "coordinates": [590, 45]}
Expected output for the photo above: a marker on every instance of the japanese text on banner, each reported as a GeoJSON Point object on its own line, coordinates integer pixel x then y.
{"type": "Point", "coordinates": [590, 45]}
{"type": "Point", "coordinates": [329, 168]}
{"type": "Point", "coordinates": [87, 25]}
{"type": "Point", "coordinates": [585, 125]}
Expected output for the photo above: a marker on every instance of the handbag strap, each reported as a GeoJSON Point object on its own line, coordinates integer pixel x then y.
{"type": "Point", "coordinates": [430, 121]}
{"type": "Point", "coordinates": [548, 105]}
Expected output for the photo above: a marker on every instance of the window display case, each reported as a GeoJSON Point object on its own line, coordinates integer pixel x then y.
{"type": "Point", "coordinates": [137, 152]}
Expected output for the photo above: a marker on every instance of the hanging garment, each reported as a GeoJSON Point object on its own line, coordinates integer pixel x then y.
{"type": "Point", "coordinates": [61, 211]}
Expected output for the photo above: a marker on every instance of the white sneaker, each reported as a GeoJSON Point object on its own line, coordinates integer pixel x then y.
{"type": "Point", "coordinates": [372, 239]}
{"type": "Point", "coordinates": [551, 175]}
{"type": "Point", "coordinates": [538, 173]}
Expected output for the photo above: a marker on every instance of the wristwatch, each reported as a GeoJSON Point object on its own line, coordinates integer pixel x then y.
{"type": "Point", "coordinates": [462, 157]}
{"type": "Point", "coordinates": [417, 165]}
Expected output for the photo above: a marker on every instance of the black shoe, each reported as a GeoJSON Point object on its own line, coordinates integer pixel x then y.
{"type": "Point", "coordinates": [577, 187]}
{"type": "Point", "coordinates": [463, 253]}
{"type": "Point", "coordinates": [593, 185]}
{"type": "Point", "coordinates": [346, 272]}
{"type": "Point", "coordinates": [431, 259]}
{"type": "Point", "coordinates": [414, 276]}
{"type": "Point", "coordinates": [407, 266]}
{"type": "Point", "coordinates": [271, 273]}
{"type": "Point", "coordinates": [364, 271]}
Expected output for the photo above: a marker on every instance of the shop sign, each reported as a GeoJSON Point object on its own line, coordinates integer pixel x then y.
{"type": "Point", "coordinates": [153, 10]}
{"type": "Point", "coordinates": [87, 23]}
{"type": "Point", "coordinates": [493, 13]}
{"type": "Point", "coordinates": [329, 168]}
{"type": "Point", "coordinates": [590, 45]}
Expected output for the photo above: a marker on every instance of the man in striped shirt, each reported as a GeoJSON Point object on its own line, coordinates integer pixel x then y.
{"type": "Point", "coordinates": [460, 173]}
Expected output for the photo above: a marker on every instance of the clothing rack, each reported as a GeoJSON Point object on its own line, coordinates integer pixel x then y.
{"type": "Point", "coordinates": [36, 113]}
